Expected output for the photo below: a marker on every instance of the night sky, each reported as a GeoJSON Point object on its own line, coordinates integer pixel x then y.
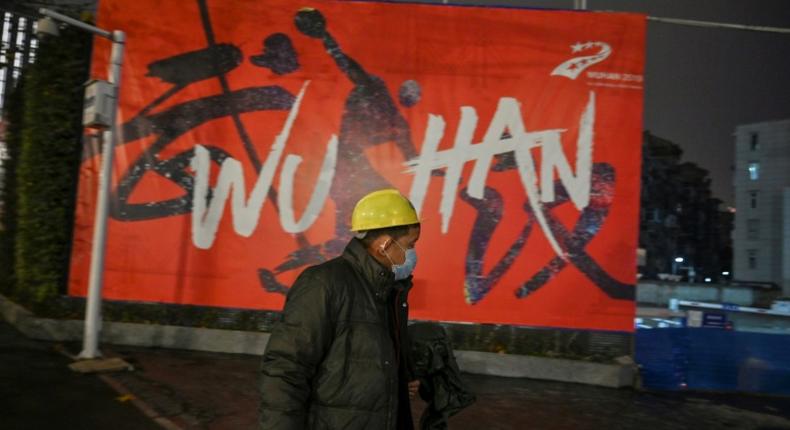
{"type": "Point", "coordinates": [703, 82]}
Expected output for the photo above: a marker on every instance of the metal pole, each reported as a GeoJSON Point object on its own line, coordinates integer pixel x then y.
{"type": "Point", "coordinates": [77, 23]}
{"type": "Point", "coordinates": [90, 345]}
{"type": "Point", "coordinates": [710, 24]}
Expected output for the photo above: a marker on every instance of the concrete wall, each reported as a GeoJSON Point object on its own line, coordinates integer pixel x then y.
{"type": "Point", "coordinates": [659, 293]}
{"type": "Point", "coordinates": [758, 323]}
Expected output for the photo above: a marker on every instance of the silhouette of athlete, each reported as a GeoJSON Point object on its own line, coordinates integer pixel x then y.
{"type": "Point", "coordinates": [370, 118]}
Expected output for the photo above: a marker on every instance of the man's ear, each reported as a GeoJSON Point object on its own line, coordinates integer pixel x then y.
{"type": "Point", "coordinates": [381, 243]}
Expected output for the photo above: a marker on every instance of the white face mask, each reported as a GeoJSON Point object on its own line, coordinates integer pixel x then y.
{"type": "Point", "coordinates": [403, 271]}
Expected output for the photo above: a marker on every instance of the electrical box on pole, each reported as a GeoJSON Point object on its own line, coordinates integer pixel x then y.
{"type": "Point", "coordinates": [99, 104]}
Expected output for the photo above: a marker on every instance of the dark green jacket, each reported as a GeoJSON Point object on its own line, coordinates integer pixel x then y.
{"type": "Point", "coordinates": [440, 378]}
{"type": "Point", "coordinates": [331, 362]}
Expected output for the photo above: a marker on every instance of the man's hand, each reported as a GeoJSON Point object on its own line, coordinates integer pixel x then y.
{"type": "Point", "coordinates": [414, 386]}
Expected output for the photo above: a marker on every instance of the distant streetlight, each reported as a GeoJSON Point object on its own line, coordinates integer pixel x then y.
{"type": "Point", "coordinates": [707, 279]}
{"type": "Point", "coordinates": [678, 259]}
{"type": "Point", "coordinates": [725, 273]}
{"type": "Point", "coordinates": [47, 27]}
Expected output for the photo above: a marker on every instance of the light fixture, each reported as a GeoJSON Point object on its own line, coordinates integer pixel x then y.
{"type": "Point", "coordinates": [47, 27]}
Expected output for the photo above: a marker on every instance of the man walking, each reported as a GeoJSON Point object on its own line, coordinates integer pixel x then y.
{"type": "Point", "coordinates": [339, 357]}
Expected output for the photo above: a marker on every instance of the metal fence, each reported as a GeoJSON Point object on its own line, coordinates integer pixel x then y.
{"type": "Point", "coordinates": [711, 359]}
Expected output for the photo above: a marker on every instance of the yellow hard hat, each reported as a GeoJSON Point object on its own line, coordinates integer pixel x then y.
{"type": "Point", "coordinates": [381, 209]}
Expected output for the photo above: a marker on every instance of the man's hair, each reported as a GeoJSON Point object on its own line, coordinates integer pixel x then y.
{"type": "Point", "coordinates": [395, 232]}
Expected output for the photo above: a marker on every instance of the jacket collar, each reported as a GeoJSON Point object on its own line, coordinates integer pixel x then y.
{"type": "Point", "coordinates": [376, 275]}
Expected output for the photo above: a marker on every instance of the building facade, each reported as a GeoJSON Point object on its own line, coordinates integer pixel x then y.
{"type": "Point", "coordinates": [762, 197]}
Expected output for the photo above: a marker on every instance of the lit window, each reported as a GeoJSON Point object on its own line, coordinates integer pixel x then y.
{"type": "Point", "coordinates": [754, 170]}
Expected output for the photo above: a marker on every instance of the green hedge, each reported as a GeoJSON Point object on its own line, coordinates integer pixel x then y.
{"type": "Point", "coordinates": [14, 113]}
{"type": "Point", "coordinates": [47, 165]}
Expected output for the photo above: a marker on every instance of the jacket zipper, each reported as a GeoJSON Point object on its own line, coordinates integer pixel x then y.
{"type": "Point", "coordinates": [396, 364]}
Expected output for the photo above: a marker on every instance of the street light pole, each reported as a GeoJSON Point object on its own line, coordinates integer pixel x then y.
{"type": "Point", "coordinates": [90, 344]}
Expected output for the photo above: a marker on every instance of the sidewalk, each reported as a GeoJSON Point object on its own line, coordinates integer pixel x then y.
{"type": "Point", "coordinates": [200, 390]}
{"type": "Point", "coordinates": [219, 391]}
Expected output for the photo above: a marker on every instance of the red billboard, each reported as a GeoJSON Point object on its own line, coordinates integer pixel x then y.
{"type": "Point", "coordinates": [249, 129]}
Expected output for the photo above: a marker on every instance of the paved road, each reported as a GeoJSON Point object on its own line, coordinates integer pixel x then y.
{"type": "Point", "coordinates": [38, 391]}
{"type": "Point", "coordinates": [198, 390]}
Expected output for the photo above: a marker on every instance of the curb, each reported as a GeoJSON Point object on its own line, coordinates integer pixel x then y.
{"type": "Point", "coordinates": [254, 343]}
{"type": "Point", "coordinates": [135, 334]}
{"type": "Point", "coordinates": [144, 407]}
{"type": "Point", "coordinates": [552, 369]}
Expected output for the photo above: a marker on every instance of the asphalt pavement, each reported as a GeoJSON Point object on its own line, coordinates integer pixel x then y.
{"type": "Point", "coordinates": [39, 391]}
{"type": "Point", "coordinates": [197, 390]}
